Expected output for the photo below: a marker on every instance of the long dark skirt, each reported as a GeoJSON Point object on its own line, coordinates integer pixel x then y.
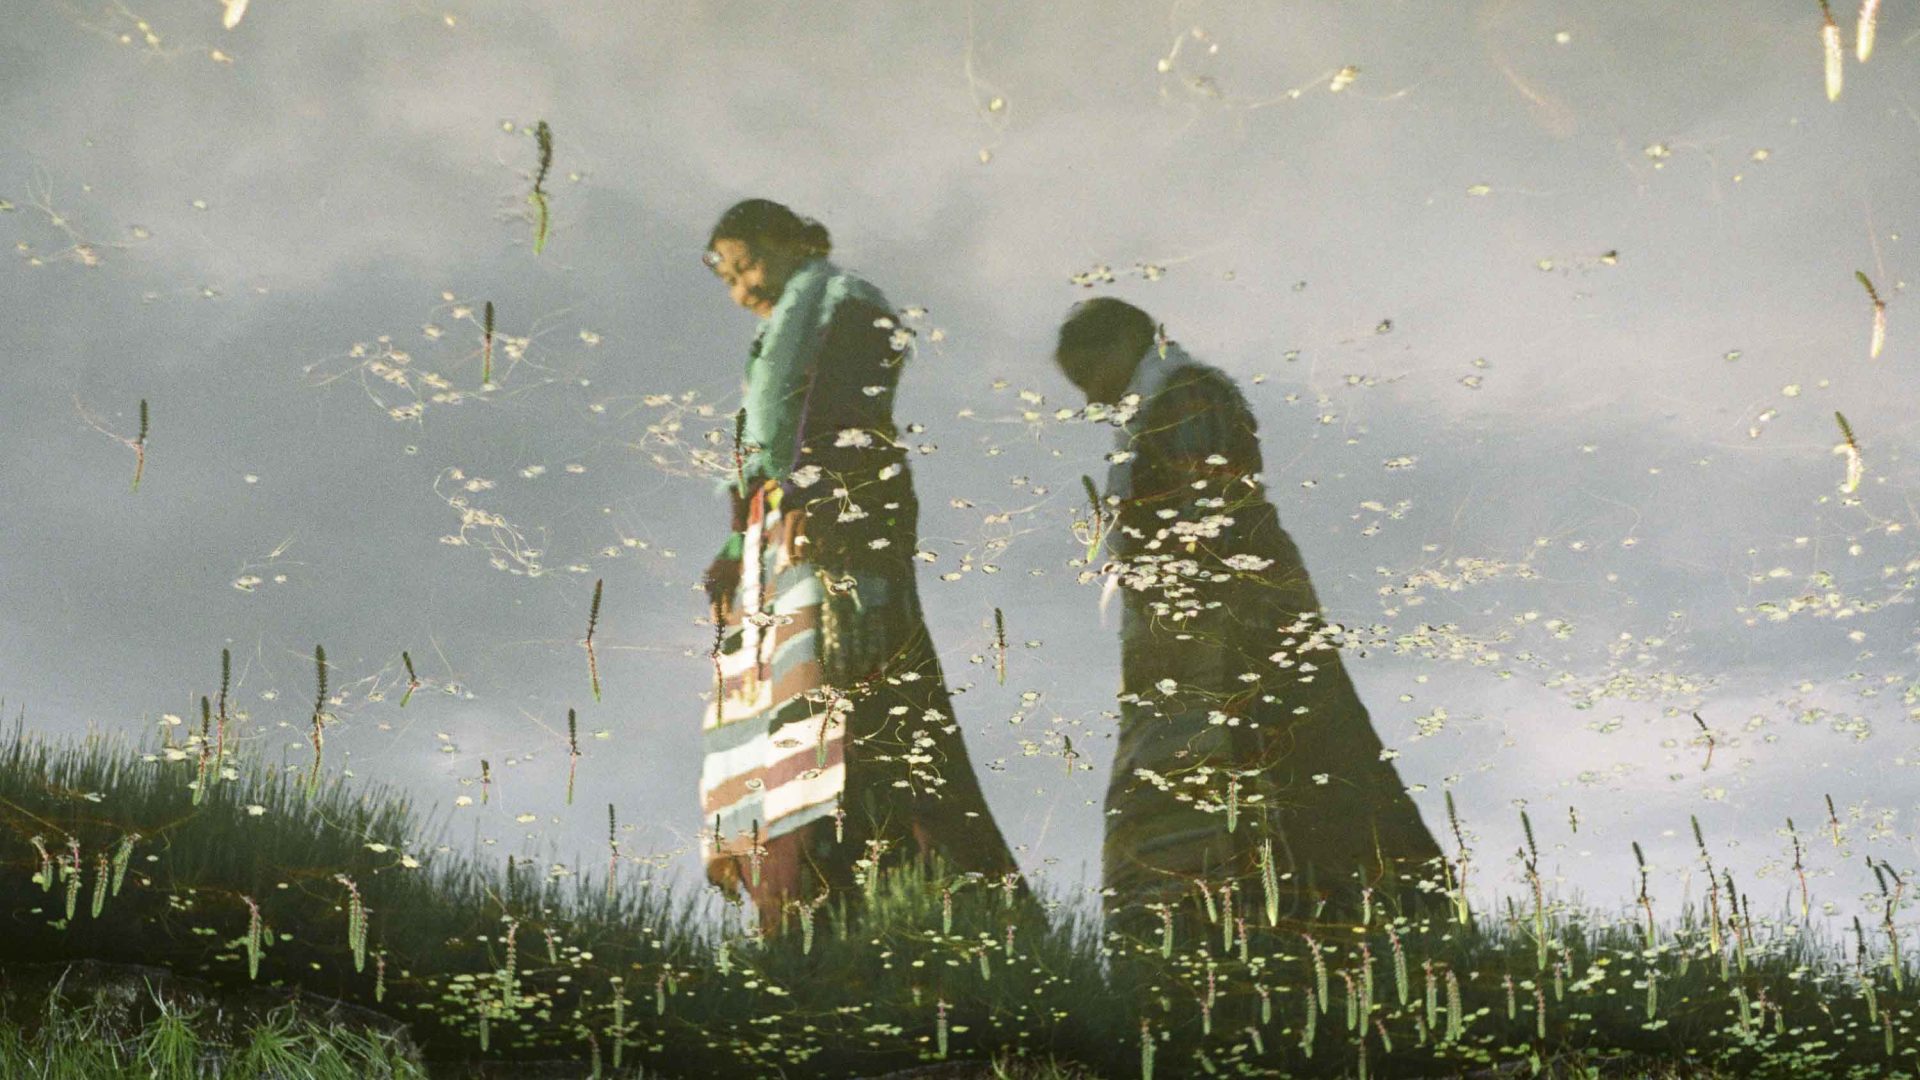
{"type": "Point", "coordinates": [1246, 755]}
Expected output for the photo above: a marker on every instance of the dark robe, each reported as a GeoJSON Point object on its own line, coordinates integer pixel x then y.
{"type": "Point", "coordinates": [1235, 702]}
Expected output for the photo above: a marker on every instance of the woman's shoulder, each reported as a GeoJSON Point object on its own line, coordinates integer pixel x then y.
{"type": "Point", "coordinates": [844, 287]}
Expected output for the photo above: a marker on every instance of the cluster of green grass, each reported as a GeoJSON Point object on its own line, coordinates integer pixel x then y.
{"type": "Point", "coordinates": [342, 893]}
{"type": "Point", "coordinates": [78, 1041]}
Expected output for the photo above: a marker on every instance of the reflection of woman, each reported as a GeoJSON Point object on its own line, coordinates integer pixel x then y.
{"type": "Point", "coordinates": [831, 740]}
{"type": "Point", "coordinates": [1242, 743]}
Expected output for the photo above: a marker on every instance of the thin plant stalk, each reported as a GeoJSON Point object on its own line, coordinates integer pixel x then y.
{"type": "Point", "coordinates": [593, 621]}
{"type": "Point", "coordinates": [486, 348]}
{"type": "Point", "coordinates": [413, 680]}
{"type": "Point", "coordinates": [543, 136]}
{"type": "Point", "coordinates": [140, 447]}
{"type": "Point", "coordinates": [573, 752]}
{"type": "Point", "coordinates": [319, 715]}
{"type": "Point", "coordinates": [1879, 339]}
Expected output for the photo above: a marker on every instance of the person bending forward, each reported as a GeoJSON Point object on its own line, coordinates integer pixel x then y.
{"type": "Point", "coordinates": [831, 741]}
{"type": "Point", "coordinates": [1240, 732]}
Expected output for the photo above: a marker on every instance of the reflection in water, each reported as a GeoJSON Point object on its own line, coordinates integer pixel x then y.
{"type": "Point", "coordinates": [831, 739]}
{"type": "Point", "coordinates": [1243, 745]}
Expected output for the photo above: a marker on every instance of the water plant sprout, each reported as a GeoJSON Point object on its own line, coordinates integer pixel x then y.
{"type": "Point", "coordinates": [543, 137]}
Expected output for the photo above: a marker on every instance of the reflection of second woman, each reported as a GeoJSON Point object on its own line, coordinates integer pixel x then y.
{"type": "Point", "coordinates": [832, 736]}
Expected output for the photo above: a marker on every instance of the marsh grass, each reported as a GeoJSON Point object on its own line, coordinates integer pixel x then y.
{"type": "Point", "coordinates": [526, 966]}
{"type": "Point", "coordinates": [77, 1039]}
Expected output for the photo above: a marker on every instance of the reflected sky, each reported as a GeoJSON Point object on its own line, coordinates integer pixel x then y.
{"type": "Point", "coordinates": [1546, 313]}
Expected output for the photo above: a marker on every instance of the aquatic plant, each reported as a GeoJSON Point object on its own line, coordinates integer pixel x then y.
{"type": "Point", "coordinates": [413, 680]}
{"type": "Point", "coordinates": [543, 138]}
{"type": "Point", "coordinates": [486, 346]}
{"type": "Point", "coordinates": [593, 620]}
{"type": "Point", "coordinates": [356, 922]}
{"type": "Point", "coordinates": [206, 750]}
{"type": "Point", "coordinates": [1458, 885]}
{"type": "Point", "coordinates": [1093, 531]}
{"type": "Point", "coordinates": [613, 855]}
{"type": "Point", "coordinates": [319, 715]}
{"type": "Point", "coordinates": [140, 447]}
{"type": "Point", "coordinates": [573, 751]}
{"type": "Point", "coordinates": [999, 647]}
{"type": "Point", "coordinates": [1878, 341]}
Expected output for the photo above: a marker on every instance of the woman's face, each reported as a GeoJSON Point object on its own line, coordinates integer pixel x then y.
{"type": "Point", "coordinates": [754, 279]}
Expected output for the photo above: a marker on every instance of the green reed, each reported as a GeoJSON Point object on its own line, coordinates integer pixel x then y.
{"type": "Point", "coordinates": [543, 137]}
{"type": "Point", "coordinates": [593, 621]}
{"type": "Point", "coordinates": [140, 447]}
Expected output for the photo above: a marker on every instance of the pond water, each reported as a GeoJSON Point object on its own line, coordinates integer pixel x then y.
{"type": "Point", "coordinates": [1545, 311]}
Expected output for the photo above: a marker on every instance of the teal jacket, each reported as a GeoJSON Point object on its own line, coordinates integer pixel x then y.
{"type": "Point", "coordinates": [820, 380]}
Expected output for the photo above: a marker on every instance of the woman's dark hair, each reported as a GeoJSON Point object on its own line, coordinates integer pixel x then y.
{"type": "Point", "coordinates": [762, 224]}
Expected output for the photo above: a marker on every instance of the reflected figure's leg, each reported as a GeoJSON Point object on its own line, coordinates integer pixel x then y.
{"type": "Point", "coordinates": [909, 771]}
{"type": "Point", "coordinates": [798, 868]}
{"type": "Point", "coordinates": [1351, 823]}
{"type": "Point", "coordinates": [1159, 846]}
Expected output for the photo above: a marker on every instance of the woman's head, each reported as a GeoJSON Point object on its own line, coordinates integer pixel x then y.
{"type": "Point", "coordinates": [757, 245]}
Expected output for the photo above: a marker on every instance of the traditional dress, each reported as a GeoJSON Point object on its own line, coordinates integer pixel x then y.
{"type": "Point", "coordinates": [1239, 727]}
{"type": "Point", "coordinates": [830, 740]}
